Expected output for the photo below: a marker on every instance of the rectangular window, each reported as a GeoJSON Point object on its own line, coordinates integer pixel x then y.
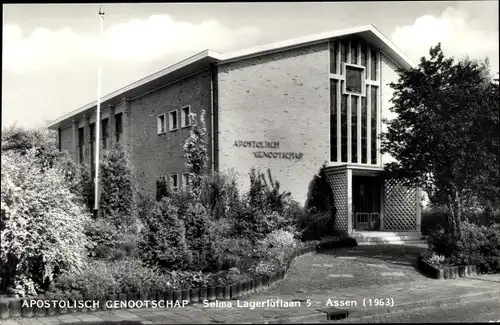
{"type": "Point", "coordinates": [185, 119]}
{"type": "Point", "coordinates": [172, 121]}
{"type": "Point", "coordinates": [374, 118]}
{"type": "Point", "coordinates": [334, 48]}
{"type": "Point", "coordinates": [105, 133]}
{"type": "Point", "coordinates": [118, 126]}
{"type": "Point", "coordinates": [343, 131]}
{"type": "Point", "coordinates": [174, 182]}
{"type": "Point", "coordinates": [354, 52]}
{"type": "Point", "coordinates": [81, 143]}
{"type": "Point", "coordinates": [161, 124]}
{"type": "Point", "coordinates": [374, 65]}
{"type": "Point", "coordinates": [364, 121]}
{"type": "Point", "coordinates": [364, 55]}
{"type": "Point", "coordinates": [161, 187]}
{"type": "Point", "coordinates": [92, 148]}
{"type": "Point", "coordinates": [185, 180]}
{"type": "Point", "coordinates": [333, 120]}
{"type": "Point", "coordinates": [343, 54]}
{"type": "Point", "coordinates": [354, 80]}
{"type": "Point", "coordinates": [354, 129]}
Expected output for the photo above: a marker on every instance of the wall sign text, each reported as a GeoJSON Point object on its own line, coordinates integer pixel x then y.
{"type": "Point", "coordinates": [268, 154]}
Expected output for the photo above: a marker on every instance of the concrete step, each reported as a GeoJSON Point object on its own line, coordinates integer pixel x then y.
{"type": "Point", "coordinates": [389, 238]}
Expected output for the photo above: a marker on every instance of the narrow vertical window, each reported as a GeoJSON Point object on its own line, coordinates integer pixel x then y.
{"type": "Point", "coordinates": [343, 134]}
{"type": "Point", "coordinates": [172, 121]}
{"type": "Point", "coordinates": [105, 133]}
{"type": "Point", "coordinates": [354, 52]}
{"type": "Point", "coordinates": [334, 56]}
{"type": "Point", "coordinates": [343, 54]}
{"type": "Point", "coordinates": [118, 126]}
{"type": "Point", "coordinates": [374, 65]}
{"type": "Point", "coordinates": [364, 55]}
{"type": "Point", "coordinates": [333, 120]}
{"type": "Point", "coordinates": [160, 121]}
{"type": "Point", "coordinates": [354, 129]}
{"type": "Point", "coordinates": [161, 187]}
{"type": "Point", "coordinates": [174, 182]}
{"type": "Point", "coordinates": [374, 118]}
{"type": "Point", "coordinates": [185, 180]}
{"type": "Point", "coordinates": [92, 149]}
{"type": "Point", "coordinates": [185, 119]}
{"type": "Point", "coordinates": [81, 142]}
{"type": "Point", "coordinates": [364, 121]}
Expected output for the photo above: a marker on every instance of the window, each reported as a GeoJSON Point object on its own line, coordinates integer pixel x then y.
{"type": "Point", "coordinates": [185, 180]}
{"type": "Point", "coordinates": [92, 148]}
{"type": "Point", "coordinates": [374, 104]}
{"type": "Point", "coordinates": [343, 130]}
{"type": "Point", "coordinates": [174, 182]}
{"type": "Point", "coordinates": [364, 139]}
{"type": "Point", "coordinates": [333, 120]}
{"type": "Point", "coordinates": [354, 129]}
{"type": "Point", "coordinates": [334, 48]}
{"type": "Point", "coordinates": [161, 124]}
{"type": "Point", "coordinates": [354, 79]}
{"type": "Point", "coordinates": [374, 67]}
{"type": "Point", "coordinates": [105, 133]}
{"type": "Point", "coordinates": [172, 121]}
{"type": "Point", "coordinates": [161, 187]}
{"type": "Point", "coordinates": [354, 51]}
{"type": "Point", "coordinates": [185, 119]}
{"type": "Point", "coordinates": [118, 126]}
{"type": "Point", "coordinates": [81, 143]}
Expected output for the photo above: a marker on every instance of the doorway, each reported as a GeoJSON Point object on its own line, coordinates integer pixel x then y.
{"type": "Point", "coordinates": [366, 202]}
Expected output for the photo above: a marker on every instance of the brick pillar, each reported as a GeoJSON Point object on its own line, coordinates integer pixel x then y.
{"type": "Point", "coordinates": [111, 126]}
{"type": "Point", "coordinates": [86, 145]}
{"type": "Point", "coordinates": [75, 141]}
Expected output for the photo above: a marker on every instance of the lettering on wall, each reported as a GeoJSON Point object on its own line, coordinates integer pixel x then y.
{"type": "Point", "coordinates": [268, 154]}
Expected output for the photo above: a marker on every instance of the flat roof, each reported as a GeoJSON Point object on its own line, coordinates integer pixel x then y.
{"type": "Point", "coordinates": [202, 59]}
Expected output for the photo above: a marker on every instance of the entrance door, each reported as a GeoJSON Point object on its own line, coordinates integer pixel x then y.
{"type": "Point", "coordinates": [366, 202]}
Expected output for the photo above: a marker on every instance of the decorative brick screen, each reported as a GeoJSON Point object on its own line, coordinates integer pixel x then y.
{"type": "Point", "coordinates": [400, 207]}
{"type": "Point", "coordinates": [338, 183]}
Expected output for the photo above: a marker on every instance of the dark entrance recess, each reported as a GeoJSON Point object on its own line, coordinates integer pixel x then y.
{"type": "Point", "coordinates": [366, 202]}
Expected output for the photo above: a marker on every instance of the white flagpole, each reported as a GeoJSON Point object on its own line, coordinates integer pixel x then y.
{"type": "Point", "coordinates": [98, 113]}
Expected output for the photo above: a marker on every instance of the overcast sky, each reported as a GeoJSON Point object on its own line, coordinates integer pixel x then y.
{"type": "Point", "coordinates": [50, 51]}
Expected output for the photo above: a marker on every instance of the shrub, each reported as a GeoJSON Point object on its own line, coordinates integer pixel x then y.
{"type": "Point", "coordinates": [315, 226]}
{"type": "Point", "coordinates": [280, 239]}
{"type": "Point", "coordinates": [117, 201]}
{"type": "Point", "coordinates": [202, 238]}
{"type": "Point", "coordinates": [102, 278]}
{"type": "Point", "coordinates": [263, 268]}
{"type": "Point", "coordinates": [220, 194]}
{"type": "Point", "coordinates": [196, 152]}
{"type": "Point", "coordinates": [320, 196]}
{"type": "Point", "coordinates": [103, 238]}
{"type": "Point", "coordinates": [41, 223]}
{"type": "Point", "coordinates": [237, 246]}
{"type": "Point", "coordinates": [164, 238]}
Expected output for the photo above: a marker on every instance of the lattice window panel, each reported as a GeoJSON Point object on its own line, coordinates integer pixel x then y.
{"type": "Point", "coordinates": [338, 183]}
{"type": "Point", "coordinates": [400, 206]}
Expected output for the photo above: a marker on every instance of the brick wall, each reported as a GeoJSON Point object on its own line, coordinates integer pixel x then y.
{"type": "Point", "coordinates": [156, 155]}
{"type": "Point", "coordinates": [281, 97]}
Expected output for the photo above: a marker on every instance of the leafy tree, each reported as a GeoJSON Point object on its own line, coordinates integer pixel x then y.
{"type": "Point", "coordinates": [41, 223]}
{"type": "Point", "coordinates": [320, 196]}
{"type": "Point", "coordinates": [445, 135]}
{"type": "Point", "coordinates": [196, 153]}
{"type": "Point", "coordinates": [117, 200]}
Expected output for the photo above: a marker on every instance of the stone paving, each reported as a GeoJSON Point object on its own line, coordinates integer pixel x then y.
{"type": "Point", "coordinates": [309, 287]}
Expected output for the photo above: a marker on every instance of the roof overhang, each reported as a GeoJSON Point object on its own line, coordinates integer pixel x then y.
{"type": "Point", "coordinates": [203, 59]}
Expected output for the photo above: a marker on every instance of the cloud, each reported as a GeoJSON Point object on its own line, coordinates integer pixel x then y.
{"type": "Point", "coordinates": [136, 41]}
{"type": "Point", "coordinates": [458, 33]}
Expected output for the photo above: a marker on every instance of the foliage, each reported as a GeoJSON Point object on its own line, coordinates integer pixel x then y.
{"type": "Point", "coordinates": [477, 245]}
{"type": "Point", "coordinates": [315, 226]}
{"type": "Point", "coordinates": [102, 278]}
{"type": "Point", "coordinates": [196, 153]}
{"type": "Point", "coordinates": [201, 238]}
{"type": "Point", "coordinates": [41, 222]}
{"type": "Point", "coordinates": [445, 135]}
{"type": "Point", "coordinates": [265, 194]}
{"type": "Point", "coordinates": [220, 194]}
{"type": "Point", "coordinates": [263, 268]}
{"type": "Point", "coordinates": [164, 238]}
{"type": "Point", "coordinates": [280, 239]}
{"type": "Point", "coordinates": [320, 196]}
{"type": "Point", "coordinates": [117, 199]}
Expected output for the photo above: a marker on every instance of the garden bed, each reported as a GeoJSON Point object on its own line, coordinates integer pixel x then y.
{"type": "Point", "coordinates": [440, 271]}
